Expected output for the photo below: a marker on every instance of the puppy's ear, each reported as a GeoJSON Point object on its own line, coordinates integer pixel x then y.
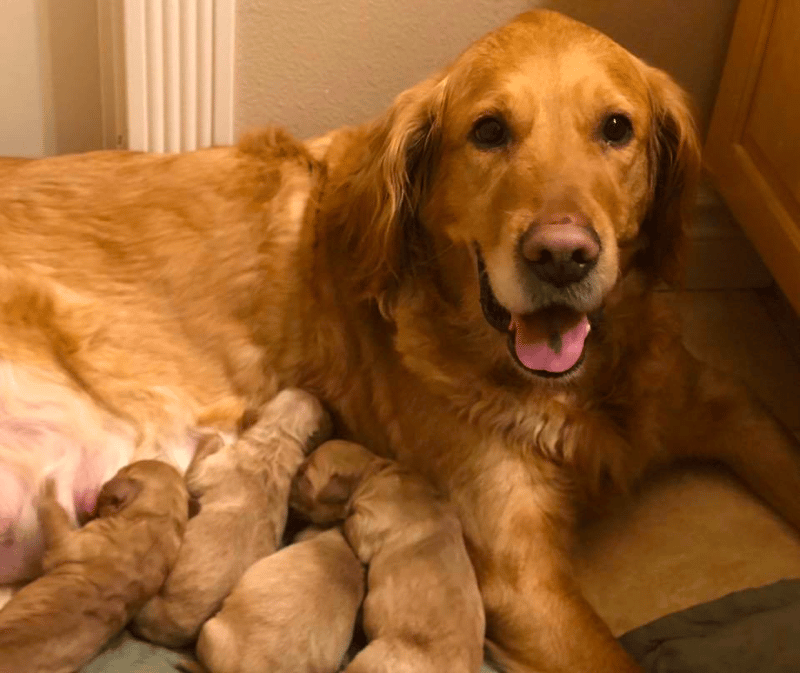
{"type": "Point", "coordinates": [338, 489]}
{"type": "Point", "coordinates": [374, 212]}
{"type": "Point", "coordinates": [248, 419]}
{"type": "Point", "coordinates": [116, 495]}
{"type": "Point", "coordinates": [674, 170]}
{"type": "Point", "coordinates": [321, 494]}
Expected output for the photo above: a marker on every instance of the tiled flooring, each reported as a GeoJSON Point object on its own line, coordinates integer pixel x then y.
{"type": "Point", "coordinates": [692, 535]}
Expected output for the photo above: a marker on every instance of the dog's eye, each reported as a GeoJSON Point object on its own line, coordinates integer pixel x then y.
{"type": "Point", "coordinates": [490, 132]}
{"type": "Point", "coordinates": [617, 129]}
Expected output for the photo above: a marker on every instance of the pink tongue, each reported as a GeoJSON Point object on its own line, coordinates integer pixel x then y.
{"type": "Point", "coordinates": [538, 348]}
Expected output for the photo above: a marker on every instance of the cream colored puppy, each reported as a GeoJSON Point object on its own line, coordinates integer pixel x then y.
{"type": "Point", "coordinates": [423, 612]}
{"type": "Point", "coordinates": [96, 577]}
{"type": "Point", "coordinates": [292, 612]}
{"type": "Point", "coordinates": [243, 490]}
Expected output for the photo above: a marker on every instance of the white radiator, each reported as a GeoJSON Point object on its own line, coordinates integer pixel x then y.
{"type": "Point", "coordinates": [179, 73]}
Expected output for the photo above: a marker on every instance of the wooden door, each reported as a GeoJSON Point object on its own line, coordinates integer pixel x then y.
{"type": "Point", "coordinates": [753, 146]}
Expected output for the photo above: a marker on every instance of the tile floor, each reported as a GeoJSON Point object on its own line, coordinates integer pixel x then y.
{"type": "Point", "coordinates": [692, 535]}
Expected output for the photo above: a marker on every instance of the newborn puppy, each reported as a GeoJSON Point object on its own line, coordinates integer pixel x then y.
{"type": "Point", "coordinates": [423, 612]}
{"type": "Point", "coordinates": [96, 577]}
{"type": "Point", "coordinates": [243, 490]}
{"type": "Point", "coordinates": [292, 612]}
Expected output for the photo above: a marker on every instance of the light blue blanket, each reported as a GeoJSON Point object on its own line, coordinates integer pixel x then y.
{"type": "Point", "coordinates": [746, 631]}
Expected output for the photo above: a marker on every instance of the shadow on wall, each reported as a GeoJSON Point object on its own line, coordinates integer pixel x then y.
{"type": "Point", "coordinates": [687, 39]}
{"type": "Point", "coordinates": [70, 41]}
{"type": "Point", "coordinates": [317, 65]}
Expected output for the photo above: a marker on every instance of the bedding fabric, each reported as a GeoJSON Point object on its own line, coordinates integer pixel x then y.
{"type": "Point", "coordinates": [743, 632]}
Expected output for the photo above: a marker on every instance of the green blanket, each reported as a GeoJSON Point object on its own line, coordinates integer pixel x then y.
{"type": "Point", "coordinates": [746, 631]}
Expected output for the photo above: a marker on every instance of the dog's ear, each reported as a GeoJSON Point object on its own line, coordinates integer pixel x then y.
{"type": "Point", "coordinates": [116, 495]}
{"type": "Point", "coordinates": [674, 155]}
{"type": "Point", "coordinates": [377, 205]}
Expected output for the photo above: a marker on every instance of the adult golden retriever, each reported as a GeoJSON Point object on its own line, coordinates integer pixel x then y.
{"type": "Point", "coordinates": [467, 281]}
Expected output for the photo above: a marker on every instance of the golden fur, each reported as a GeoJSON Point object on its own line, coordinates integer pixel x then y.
{"type": "Point", "coordinates": [292, 612]}
{"type": "Point", "coordinates": [423, 611]}
{"type": "Point", "coordinates": [174, 291]}
{"type": "Point", "coordinates": [96, 577]}
{"type": "Point", "coordinates": [243, 491]}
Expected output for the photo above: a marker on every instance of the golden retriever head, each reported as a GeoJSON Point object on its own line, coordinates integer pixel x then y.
{"type": "Point", "coordinates": [525, 180]}
{"type": "Point", "coordinates": [146, 487]}
{"type": "Point", "coordinates": [327, 480]}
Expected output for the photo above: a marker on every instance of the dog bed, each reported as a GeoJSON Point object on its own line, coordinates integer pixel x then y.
{"type": "Point", "coordinates": [748, 630]}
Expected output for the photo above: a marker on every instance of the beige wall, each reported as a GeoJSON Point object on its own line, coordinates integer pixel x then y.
{"type": "Point", "coordinates": [23, 129]}
{"type": "Point", "coordinates": [317, 64]}
{"type": "Point", "coordinates": [71, 33]}
{"type": "Point", "coordinates": [49, 77]}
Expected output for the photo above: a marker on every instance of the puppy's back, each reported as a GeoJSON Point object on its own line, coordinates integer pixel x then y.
{"type": "Point", "coordinates": [292, 612]}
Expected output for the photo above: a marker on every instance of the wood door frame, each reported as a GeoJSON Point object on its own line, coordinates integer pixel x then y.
{"type": "Point", "coordinates": [757, 204]}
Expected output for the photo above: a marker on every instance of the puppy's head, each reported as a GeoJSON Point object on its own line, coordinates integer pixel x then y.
{"type": "Point", "coordinates": [298, 414]}
{"type": "Point", "coordinates": [325, 483]}
{"type": "Point", "coordinates": [146, 487]}
{"type": "Point", "coordinates": [519, 186]}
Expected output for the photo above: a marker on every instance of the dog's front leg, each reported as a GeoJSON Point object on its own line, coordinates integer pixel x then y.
{"type": "Point", "coordinates": [518, 526]}
{"type": "Point", "coordinates": [724, 421]}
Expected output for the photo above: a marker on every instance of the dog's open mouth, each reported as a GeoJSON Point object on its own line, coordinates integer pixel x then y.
{"type": "Point", "coordinates": [549, 342]}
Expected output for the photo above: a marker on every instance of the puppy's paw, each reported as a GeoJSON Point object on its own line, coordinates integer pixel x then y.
{"type": "Point", "coordinates": [301, 415]}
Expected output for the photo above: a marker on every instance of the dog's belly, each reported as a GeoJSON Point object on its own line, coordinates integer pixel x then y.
{"type": "Point", "coordinates": [50, 429]}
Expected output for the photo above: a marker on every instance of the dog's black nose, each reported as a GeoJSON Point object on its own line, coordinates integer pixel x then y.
{"type": "Point", "coordinates": [562, 249]}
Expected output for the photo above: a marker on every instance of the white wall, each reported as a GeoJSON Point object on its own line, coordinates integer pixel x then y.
{"type": "Point", "coordinates": [316, 64]}
{"type": "Point", "coordinates": [23, 87]}
{"type": "Point", "coordinates": [49, 77]}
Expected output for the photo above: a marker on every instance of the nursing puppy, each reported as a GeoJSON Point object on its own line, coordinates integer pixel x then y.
{"type": "Point", "coordinates": [292, 612]}
{"type": "Point", "coordinates": [96, 577]}
{"type": "Point", "coordinates": [423, 612]}
{"type": "Point", "coordinates": [243, 490]}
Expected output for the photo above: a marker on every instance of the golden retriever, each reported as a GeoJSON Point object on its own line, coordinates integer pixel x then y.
{"type": "Point", "coordinates": [467, 281]}
{"type": "Point", "coordinates": [423, 611]}
{"type": "Point", "coordinates": [292, 612]}
{"type": "Point", "coordinates": [243, 491]}
{"type": "Point", "coordinates": [98, 576]}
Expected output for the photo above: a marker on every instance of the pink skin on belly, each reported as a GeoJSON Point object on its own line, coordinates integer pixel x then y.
{"type": "Point", "coordinates": [33, 450]}
{"type": "Point", "coordinates": [79, 469]}
{"type": "Point", "coordinates": [50, 429]}
{"type": "Point", "coordinates": [10, 505]}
